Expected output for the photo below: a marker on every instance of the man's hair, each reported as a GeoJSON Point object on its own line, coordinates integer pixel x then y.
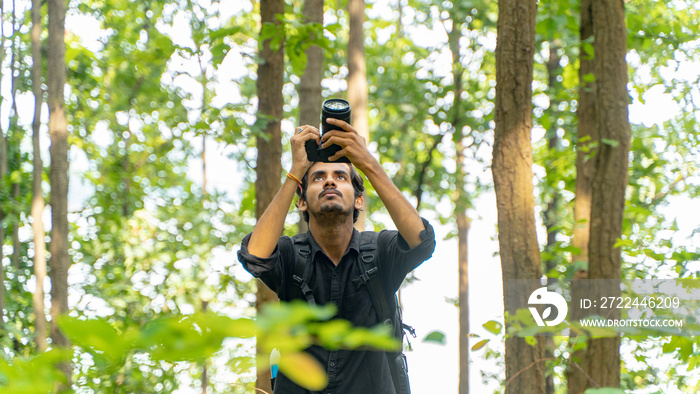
{"type": "Point", "coordinates": [357, 184]}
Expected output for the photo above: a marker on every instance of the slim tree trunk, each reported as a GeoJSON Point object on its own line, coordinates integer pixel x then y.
{"type": "Point", "coordinates": [357, 78]}
{"type": "Point", "coordinates": [610, 173]}
{"type": "Point", "coordinates": [37, 193]}
{"type": "Point", "coordinates": [269, 161]}
{"type": "Point", "coordinates": [576, 377]}
{"type": "Point", "coordinates": [462, 263]}
{"type": "Point", "coordinates": [58, 176]}
{"type": "Point", "coordinates": [13, 134]}
{"type": "Point", "coordinates": [551, 213]}
{"type": "Point", "coordinates": [310, 98]}
{"type": "Point", "coordinates": [205, 194]}
{"type": "Point", "coordinates": [3, 167]}
{"type": "Point", "coordinates": [512, 174]}
{"type": "Point", "coordinates": [461, 199]}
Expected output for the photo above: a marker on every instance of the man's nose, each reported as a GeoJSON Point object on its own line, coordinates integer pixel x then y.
{"type": "Point", "coordinates": [329, 182]}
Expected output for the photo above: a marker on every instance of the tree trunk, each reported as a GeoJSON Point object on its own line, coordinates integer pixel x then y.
{"type": "Point", "coordinates": [512, 174]}
{"type": "Point", "coordinates": [37, 193]}
{"type": "Point", "coordinates": [269, 160]}
{"type": "Point", "coordinates": [587, 133]}
{"type": "Point", "coordinates": [461, 199]}
{"type": "Point", "coordinates": [551, 213]}
{"type": "Point", "coordinates": [3, 168]}
{"type": "Point", "coordinates": [58, 176]}
{"type": "Point", "coordinates": [310, 98]}
{"type": "Point", "coordinates": [14, 137]}
{"type": "Point", "coordinates": [357, 78]}
{"type": "Point", "coordinates": [610, 171]}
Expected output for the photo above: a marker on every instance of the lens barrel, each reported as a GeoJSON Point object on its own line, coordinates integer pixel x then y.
{"type": "Point", "coordinates": [336, 109]}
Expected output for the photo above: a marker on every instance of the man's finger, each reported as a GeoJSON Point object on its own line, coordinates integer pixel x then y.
{"type": "Point", "coordinates": [337, 134]}
{"type": "Point", "coordinates": [306, 133]}
{"type": "Point", "coordinates": [336, 140]}
{"type": "Point", "coordinates": [342, 124]}
{"type": "Point", "coordinates": [338, 155]}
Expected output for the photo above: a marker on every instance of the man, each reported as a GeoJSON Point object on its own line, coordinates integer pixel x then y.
{"type": "Point", "coordinates": [330, 198]}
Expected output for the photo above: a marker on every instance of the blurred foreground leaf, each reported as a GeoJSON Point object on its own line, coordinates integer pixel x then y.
{"type": "Point", "coordinates": [36, 375]}
{"type": "Point", "coordinates": [291, 327]}
{"type": "Point", "coordinates": [304, 370]}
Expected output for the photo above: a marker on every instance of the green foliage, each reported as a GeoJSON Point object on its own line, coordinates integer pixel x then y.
{"type": "Point", "coordinates": [291, 328]}
{"type": "Point", "coordinates": [33, 375]}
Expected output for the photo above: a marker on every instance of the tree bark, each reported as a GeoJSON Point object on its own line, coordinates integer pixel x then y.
{"type": "Point", "coordinates": [14, 137]}
{"type": "Point", "coordinates": [610, 173]}
{"type": "Point", "coordinates": [512, 174]}
{"type": "Point", "coordinates": [3, 168]}
{"type": "Point", "coordinates": [587, 133]}
{"type": "Point", "coordinates": [461, 199]}
{"type": "Point", "coordinates": [38, 204]}
{"type": "Point", "coordinates": [269, 161]}
{"type": "Point", "coordinates": [58, 176]}
{"type": "Point", "coordinates": [357, 78]}
{"type": "Point", "coordinates": [310, 98]}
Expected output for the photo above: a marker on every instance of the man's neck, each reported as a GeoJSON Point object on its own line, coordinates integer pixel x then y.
{"type": "Point", "coordinates": [334, 240]}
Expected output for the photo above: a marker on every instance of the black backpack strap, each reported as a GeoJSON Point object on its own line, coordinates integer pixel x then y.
{"type": "Point", "coordinates": [368, 258]}
{"type": "Point", "coordinates": [385, 314]}
{"type": "Point", "coordinates": [303, 266]}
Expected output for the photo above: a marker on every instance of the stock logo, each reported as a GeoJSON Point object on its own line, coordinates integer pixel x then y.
{"type": "Point", "coordinates": [543, 297]}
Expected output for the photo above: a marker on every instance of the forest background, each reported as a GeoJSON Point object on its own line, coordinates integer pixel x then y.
{"type": "Point", "coordinates": [162, 115]}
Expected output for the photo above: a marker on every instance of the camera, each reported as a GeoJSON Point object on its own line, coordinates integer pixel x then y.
{"type": "Point", "coordinates": [336, 109]}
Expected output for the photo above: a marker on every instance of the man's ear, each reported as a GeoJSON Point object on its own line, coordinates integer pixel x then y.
{"type": "Point", "coordinates": [302, 205]}
{"type": "Point", "coordinates": [359, 202]}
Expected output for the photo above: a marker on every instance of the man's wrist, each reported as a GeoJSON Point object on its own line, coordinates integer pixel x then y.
{"type": "Point", "coordinates": [297, 171]}
{"type": "Point", "coordinates": [370, 167]}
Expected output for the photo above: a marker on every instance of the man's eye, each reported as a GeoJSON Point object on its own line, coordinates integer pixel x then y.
{"type": "Point", "coordinates": [318, 178]}
{"type": "Point", "coordinates": [341, 177]}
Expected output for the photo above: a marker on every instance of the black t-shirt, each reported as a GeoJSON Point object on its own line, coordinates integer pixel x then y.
{"type": "Point", "coordinates": [349, 371]}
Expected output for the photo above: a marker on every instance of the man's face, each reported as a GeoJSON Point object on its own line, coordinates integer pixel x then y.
{"type": "Point", "coordinates": [330, 197]}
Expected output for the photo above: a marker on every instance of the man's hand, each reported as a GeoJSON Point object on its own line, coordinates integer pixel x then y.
{"type": "Point", "coordinates": [352, 144]}
{"type": "Point", "coordinates": [300, 161]}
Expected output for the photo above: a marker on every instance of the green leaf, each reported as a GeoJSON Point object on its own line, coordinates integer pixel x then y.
{"type": "Point", "coordinates": [435, 336]}
{"type": "Point", "coordinates": [304, 370]}
{"type": "Point", "coordinates": [95, 335]}
{"type": "Point", "coordinates": [493, 327]}
{"type": "Point", "coordinates": [480, 344]}
{"type": "Point", "coordinates": [610, 142]}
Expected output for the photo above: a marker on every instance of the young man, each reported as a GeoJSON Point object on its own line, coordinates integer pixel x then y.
{"type": "Point", "coordinates": [330, 198]}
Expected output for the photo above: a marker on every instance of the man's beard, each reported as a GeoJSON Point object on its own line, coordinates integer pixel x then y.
{"type": "Point", "coordinates": [331, 215]}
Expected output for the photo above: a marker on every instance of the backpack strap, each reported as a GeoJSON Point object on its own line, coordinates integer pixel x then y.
{"type": "Point", "coordinates": [368, 257]}
{"type": "Point", "coordinates": [388, 316]}
{"type": "Point", "coordinates": [303, 266]}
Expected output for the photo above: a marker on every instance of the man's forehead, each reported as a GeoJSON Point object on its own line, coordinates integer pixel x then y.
{"type": "Point", "coordinates": [329, 167]}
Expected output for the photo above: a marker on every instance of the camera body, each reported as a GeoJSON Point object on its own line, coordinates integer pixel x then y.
{"type": "Point", "coordinates": [333, 108]}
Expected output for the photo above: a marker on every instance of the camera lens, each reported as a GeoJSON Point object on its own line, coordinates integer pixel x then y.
{"type": "Point", "coordinates": [336, 109]}
{"type": "Point", "coordinates": [336, 105]}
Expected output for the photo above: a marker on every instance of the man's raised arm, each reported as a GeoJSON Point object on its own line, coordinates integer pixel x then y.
{"type": "Point", "coordinates": [404, 215]}
{"type": "Point", "coordinates": [270, 226]}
